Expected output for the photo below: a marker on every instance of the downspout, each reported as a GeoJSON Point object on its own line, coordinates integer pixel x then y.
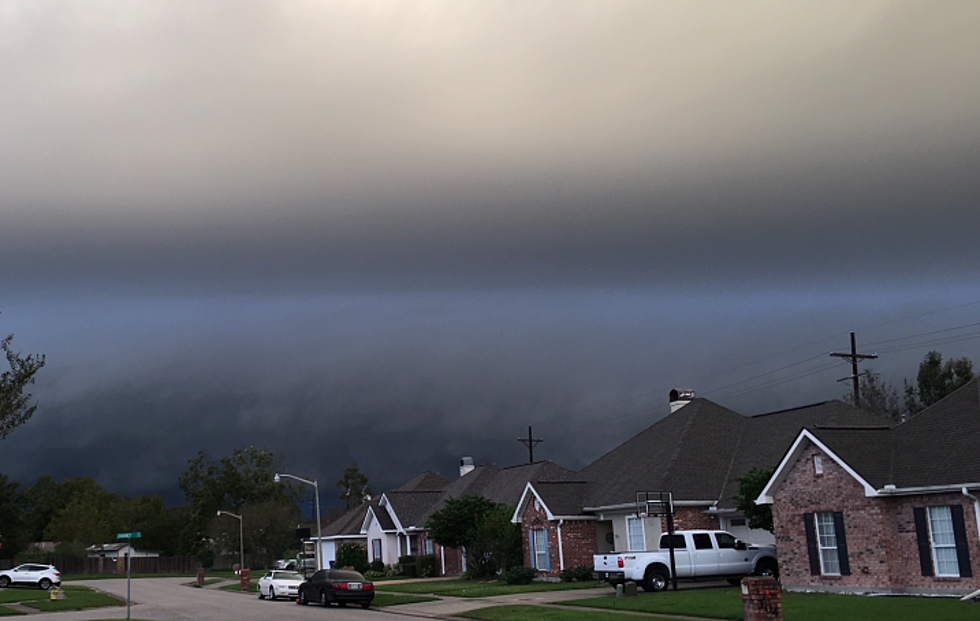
{"type": "Point", "coordinates": [976, 506]}
{"type": "Point", "coordinates": [561, 553]}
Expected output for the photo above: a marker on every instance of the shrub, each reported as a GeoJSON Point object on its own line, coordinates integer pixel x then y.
{"type": "Point", "coordinates": [426, 566]}
{"type": "Point", "coordinates": [407, 566]}
{"type": "Point", "coordinates": [583, 573]}
{"type": "Point", "coordinates": [377, 566]}
{"type": "Point", "coordinates": [519, 575]}
{"type": "Point", "coordinates": [566, 575]}
{"type": "Point", "coordinates": [351, 554]}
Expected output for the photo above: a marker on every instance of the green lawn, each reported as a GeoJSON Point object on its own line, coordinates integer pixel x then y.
{"type": "Point", "coordinates": [78, 598]}
{"type": "Point", "coordinates": [474, 588]}
{"type": "Point", "coordinates": [253, 586]}
{"type": "Point", "coordinates": [540, 613]}
{"type": "Point", "coordinates": [727, 604]}
{"type": "Point", "coordinates": [396, 599]}
{"type": "Point", "coordinates": [9, 612]}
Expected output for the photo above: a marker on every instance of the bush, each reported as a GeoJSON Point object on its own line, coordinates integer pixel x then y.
{"type": "Point", "coordinates": [352, 555]}
{"type": "Point", "coordinates": [566, 575]}
{"type": "Point", "coordinates": [583, 573]}
{"type": "Point", "coordinates": [519, 575]}
{"type": "Point", "coordinates": [377, 566]}
{"type": "Point", "coordinates": [426, 566]}
{"type": "Point", "coordinates": [407, 566]}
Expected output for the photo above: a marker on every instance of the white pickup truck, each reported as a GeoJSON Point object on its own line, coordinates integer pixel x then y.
{"type": "Point", "coordinates": [697, 554]}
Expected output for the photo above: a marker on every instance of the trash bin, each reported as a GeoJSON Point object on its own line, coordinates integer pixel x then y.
{"type": "Point", "coordinates": [629, 589]}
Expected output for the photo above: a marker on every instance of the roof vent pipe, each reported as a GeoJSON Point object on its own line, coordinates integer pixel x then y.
{"type": "Point", "coordinates": [679, 397]}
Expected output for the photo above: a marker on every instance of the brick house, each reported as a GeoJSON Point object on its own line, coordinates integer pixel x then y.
{"type": "Point", "coordinates": [878, 509]}
{"type": "Point", "coordinates": [696, 452]}
{"type": "Point", "coordinates": [394, 524]}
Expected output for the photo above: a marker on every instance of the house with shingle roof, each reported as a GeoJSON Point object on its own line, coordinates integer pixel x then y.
{"type": "Point", "coordinates": [394, 524]}
{"type": "Point", "coordinates": [696, 453]}
{"type": "Point", "coordinates": [882, 509]}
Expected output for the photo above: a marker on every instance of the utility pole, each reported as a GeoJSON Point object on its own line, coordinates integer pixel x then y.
{"type": "Point", "coordinates": [853, 357]}
{"type": "Point", "coordinates": [530, 442]}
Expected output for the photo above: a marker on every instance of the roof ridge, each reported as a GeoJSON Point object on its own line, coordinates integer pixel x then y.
{"type": "Point", "coordinates": [680, 443]}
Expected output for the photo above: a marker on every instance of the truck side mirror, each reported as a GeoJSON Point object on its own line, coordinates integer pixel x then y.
{"type": "Point", "coordinates": [740, 545]}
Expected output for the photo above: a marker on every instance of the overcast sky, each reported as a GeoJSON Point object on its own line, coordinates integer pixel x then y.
{"type": "Point", "coordinates": [401, 232]}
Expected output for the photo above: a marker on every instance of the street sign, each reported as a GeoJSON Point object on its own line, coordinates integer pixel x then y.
{"type": "Point", "coordinates": [135, 535]}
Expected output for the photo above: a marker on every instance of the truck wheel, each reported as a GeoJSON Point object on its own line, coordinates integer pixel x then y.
{"type": "Point", "coordinates": [655, 580]}
{"type": "Point", "coordinates": [767, 567]}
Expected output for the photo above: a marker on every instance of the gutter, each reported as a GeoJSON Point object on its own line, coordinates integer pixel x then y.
{"type": "Point", "coordinates": [976, 505]}
{"type": "Point", "coordinates": [561, 552]}
{"type": "Point", "coordinates": [891, 490]}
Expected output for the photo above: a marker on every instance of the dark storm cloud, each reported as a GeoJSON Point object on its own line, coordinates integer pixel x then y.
{"type": "Point", "coordinates": [400, 233]}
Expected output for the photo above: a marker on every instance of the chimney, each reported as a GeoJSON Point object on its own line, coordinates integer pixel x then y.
{"type": "Point", "coordinates": [465, 465]}
{"type": "Point", "coordinates": [679, 397]}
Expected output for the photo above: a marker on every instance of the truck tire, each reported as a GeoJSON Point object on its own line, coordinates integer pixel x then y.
{"type": "Point", "coordinates": [655, 579]}
{"type": "Point", "coordinates": [767, 567]}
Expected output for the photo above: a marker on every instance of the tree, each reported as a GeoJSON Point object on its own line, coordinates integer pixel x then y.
{"type": "Point", "coordinates": [12, 532]}
{"type": "Point", "coordinates": [750, 485]}
{"type": "Point", "coordinates": [482, 528]}
{"type": "Point", "coordinates": [353, 486]}
{"type": "Point", "coordinates": [239, 480]}
{"type": "Point", "coordinates": [878, 397]}
{"type": "Point", "coordinates": [15, 404]}
{"type": "Point", "coordinates": [936, 380]}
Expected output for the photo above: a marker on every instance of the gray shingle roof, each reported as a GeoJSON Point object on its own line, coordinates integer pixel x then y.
{"type": "Point", "coordinates": [699, 451]}
{"type": "Point", "coordinates": [939, 446]}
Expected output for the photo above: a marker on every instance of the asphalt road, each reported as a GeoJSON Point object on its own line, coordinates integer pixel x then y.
{"type": "Point", "coordinates": [169, 599]}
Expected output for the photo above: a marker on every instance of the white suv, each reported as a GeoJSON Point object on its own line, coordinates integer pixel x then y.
{"type": "Point", "coordinates": [44, 576]}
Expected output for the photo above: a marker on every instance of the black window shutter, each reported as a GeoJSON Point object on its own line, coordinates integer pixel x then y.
{"type": "Point", "coordinates": [845, 566]}
{"type": "Point", "coordinates": [962, 547]}
{"type": "Point", "coordinates": [922, 538]}
{"type": "Point", "coordinates": [811, 544]}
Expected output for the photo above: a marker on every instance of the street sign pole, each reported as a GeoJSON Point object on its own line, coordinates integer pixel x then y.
{"type": "Point", "coordinates": [129, 563]}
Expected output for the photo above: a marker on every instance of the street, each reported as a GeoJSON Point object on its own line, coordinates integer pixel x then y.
{"type": "Point", "coordinates": [170, 599]}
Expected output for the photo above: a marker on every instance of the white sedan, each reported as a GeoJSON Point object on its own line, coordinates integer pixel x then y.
{"type": "Point", "coordinates": [279, 583]}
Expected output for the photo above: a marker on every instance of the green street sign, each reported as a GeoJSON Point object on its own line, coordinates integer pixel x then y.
{"type": "Point", "coordinates": [135, 535]}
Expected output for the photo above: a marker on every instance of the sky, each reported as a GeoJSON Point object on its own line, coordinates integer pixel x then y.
{"type": "Point", "coordinates": [399, 233]}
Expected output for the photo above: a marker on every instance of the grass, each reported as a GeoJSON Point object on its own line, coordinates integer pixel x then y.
{"type": "Point", "coordinates": [397, 599]}
{"type": "Point", "coordinates": [253, 586]}
{"type": "Point", "coordinates": [727, 604]}
{"type": "Point", "coordinates": [9, 612]}
{"type": "Point", "coordinates": [78, 598]}
{"type": "Point", "coordinates": [541, 613]}
{"type": "Point", "coordinates": [474, 588]}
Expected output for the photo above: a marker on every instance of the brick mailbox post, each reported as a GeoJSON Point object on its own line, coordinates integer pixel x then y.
{"type": "Point", "coordinates": [246, 576]}
{"type": "Point", "coordinates": [762, 599]}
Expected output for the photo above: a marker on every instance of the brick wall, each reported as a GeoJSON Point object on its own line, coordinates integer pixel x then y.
{"type": "Point", "coordinates": [535, 518]}
{"type": "Point", "coordinates": [880, 532]}
{"type": "Point", "coordinates": [692, 518]}
{"type": "Point", "coordinates": [578, 542]}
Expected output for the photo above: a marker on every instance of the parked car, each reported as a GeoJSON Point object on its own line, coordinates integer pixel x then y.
{"type": "Point", "coordinates": [31, 574]}
{"type": "Point", "coordinates": [337, 586]}
{"type": "Point", "coordinates": [279, 583]}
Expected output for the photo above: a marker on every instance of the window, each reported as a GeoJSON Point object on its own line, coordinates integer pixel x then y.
{"type": "Point", "coordinates": [826, 543]}
{"type": "Point", "coordinates": [818, 465]}
{"type": "Point", "coordinates": [427, 546]}
{"type": "Point", "coordinates": [725, 541]}
{"type": "Point", "coordinates": [413, 545]}
{"type": "Point", "coordinates": [539, 549]}
{"type": "Point", "coordinates": [702, 541]}
{"type": "Point", "coordinates": [634, 530]}
{"type": "Point", "coordinates": [678, 542]}
{"type": "Point", "coordinates": [375, 549]}
{"type": "Point", "coordinates": [941, 535]}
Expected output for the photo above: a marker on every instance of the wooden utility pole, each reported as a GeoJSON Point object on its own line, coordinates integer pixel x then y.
{"type": "Point", "coordinates": [853, 357]}
{"type": "Point", "coordinates": [530, 442]}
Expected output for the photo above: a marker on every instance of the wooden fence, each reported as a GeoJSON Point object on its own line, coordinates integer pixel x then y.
{"type": "Point", "coordinates": [141, 565]}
